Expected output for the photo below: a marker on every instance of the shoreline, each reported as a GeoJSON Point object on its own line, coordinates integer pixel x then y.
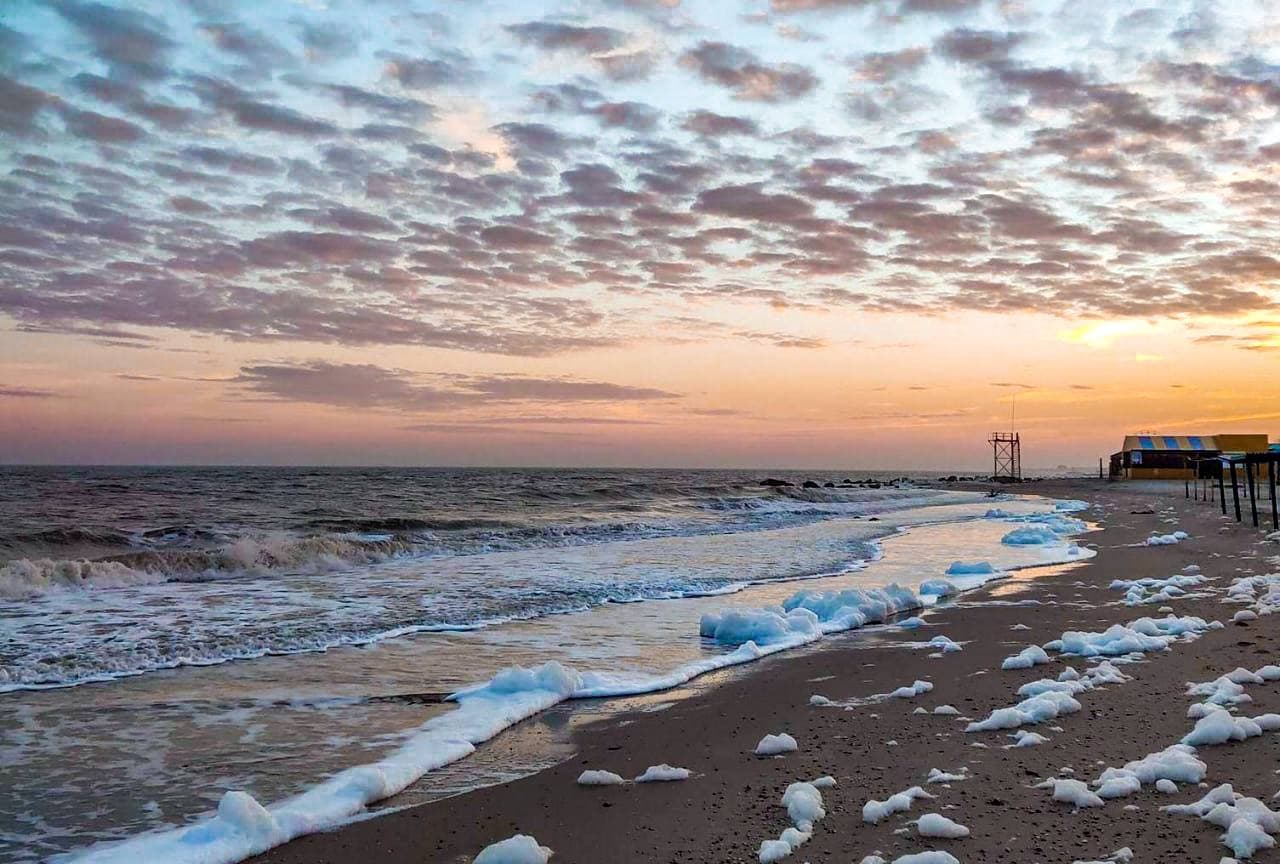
{"type": "Point", "coordinates": [725, 815]}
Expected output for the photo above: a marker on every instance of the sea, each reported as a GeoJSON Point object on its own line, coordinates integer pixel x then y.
{"type": "Point", "coordinates": [315, 640]}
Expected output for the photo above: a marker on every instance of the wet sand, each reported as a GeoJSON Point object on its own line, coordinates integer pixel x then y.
{"type": "Point", "coordinates": [731, 803]}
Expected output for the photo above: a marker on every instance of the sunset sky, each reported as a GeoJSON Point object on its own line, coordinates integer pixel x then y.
{"type": "Point", "coordinates": [810, 233]}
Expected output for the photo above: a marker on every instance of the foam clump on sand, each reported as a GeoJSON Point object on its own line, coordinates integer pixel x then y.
{"type": "Point", "coordinates": [1047, 698]}
{"type": "Point", "coordinates": [930, 857]}
{"type": "Point", "coordinates": [947, 711]}
{"type": "Point", "coordinates": [1223, 690]}
{"type": "Point", "coordinates": [663, 773]}
{"type": "Point", "coordinates": [937, 588]}
{"type": "Point", "coordinates": [945, 644]}
{"type": "Point", "coordinates": [938, 776]}
{"type": "Point", "coordinates": [911, 691]}
{"type": "Point", "coordinates": [804, 804]}
{"type": "Point", "coordinates": [520, 849]}
{"type": "Point", "coordinates": [1164, 768]}
{"type": "Point", "coordinates": [804, 807]}
{"type": "Point", "coordinates": [599, 778]}
{"type": "Point", "coordinates": [1033, 655]}
{"type": "Point", "coordinates": [1072, 682]}
{"type": "Point", "coordinates": [973, 568]}
{"type": "Point", "coordinates": [937, 825]}
{"type": "Point", "coordinates": [1166, 539]}
{"type": "Point", "coordinates": [1023, 738]}
{"type": "Point", "coordinates": [1220, 726]}
{"type": "Point", "coordinates": [775, 745]}
{"type": "Point", "coordinates": [1123, 855]}
{"type": "Point", "coordinates": [1029, 535]}
{"type": "Point", "coordinates": [1137, 637]}
{"type": "Point", "coordinates": [877, 811]}
{"type": "Point", "coordinates": [1261, 591]}
{"type": "Point", "coordinates": [1071, 791]}
{"type": "Point", "coordinates": [1037, 709]}
{"type": "Point", "coordinates": [1056, 522]}
{"type": "Point", "coordinates": [1151, 590]}
{"type": "Point", "coordinates": [1248, 822]}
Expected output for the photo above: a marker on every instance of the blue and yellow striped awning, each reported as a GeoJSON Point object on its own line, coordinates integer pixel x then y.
{"type": "Point", "coordinates": [1182, 443]}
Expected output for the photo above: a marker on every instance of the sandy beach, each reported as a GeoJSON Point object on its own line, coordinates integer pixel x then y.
{"type": "Point", "coordinates": [877, 746]}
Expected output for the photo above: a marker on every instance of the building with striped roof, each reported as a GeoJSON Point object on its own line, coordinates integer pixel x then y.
{"type": "Point", "coordinates": [1179, 457]}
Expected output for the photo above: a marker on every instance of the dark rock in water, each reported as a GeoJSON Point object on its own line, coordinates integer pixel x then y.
{"type": "Point", "coordinates": [846, 481]}
{"type": "Point", "coordinates": [874, 519]}
{"type": "Point", "coordinates": [873, 484]}
{"type": "Point", "coordinates": [829, 485]}
{"type": "Point", "coordinates": [810, 484]}
{"type": "Point", "coordinates": [774, 481]}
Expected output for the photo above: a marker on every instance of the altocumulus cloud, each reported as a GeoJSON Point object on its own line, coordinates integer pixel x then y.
{"type": "Point", "coordinates": [529, 179]}
{"type": "Point", "coordinates": [362, 385]}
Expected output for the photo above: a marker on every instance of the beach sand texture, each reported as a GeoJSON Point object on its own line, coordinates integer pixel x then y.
{"type": "Point", "coordinates": [876, 747]}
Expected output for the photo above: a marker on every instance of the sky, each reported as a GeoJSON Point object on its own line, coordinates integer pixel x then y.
{"type": "Point", "coordinates": [762, 233]}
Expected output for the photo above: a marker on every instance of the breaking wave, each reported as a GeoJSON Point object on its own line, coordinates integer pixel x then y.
{"type": "Point", "coordinates": [27, 577]}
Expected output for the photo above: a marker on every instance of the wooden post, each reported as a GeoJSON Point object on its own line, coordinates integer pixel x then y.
{"type": "Point", "coordinates": [1222, 492]}
{"type": "Point", "coordinates": [1253, 498]}
{"type": "Point", "coordinates": [1235, 492]}
{"type": "Point", "coordinates": [1271, 482]}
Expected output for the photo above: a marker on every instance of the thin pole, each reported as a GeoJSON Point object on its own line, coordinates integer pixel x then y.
{"type": "Point", "coordinates": [1253, 498]}
{"type": "Point", "coordinates": [1271, 482]}
{"type": "Point", "coordinates": [1235, 493]}
{"type": "Point", "coordinates": [1222, 492]}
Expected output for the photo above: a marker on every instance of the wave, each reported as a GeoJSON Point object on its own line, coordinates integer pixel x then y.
{"type": "Point", "coordinates": [31, 577]}
{"type": "Point", "coordinates": [409, 523]}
